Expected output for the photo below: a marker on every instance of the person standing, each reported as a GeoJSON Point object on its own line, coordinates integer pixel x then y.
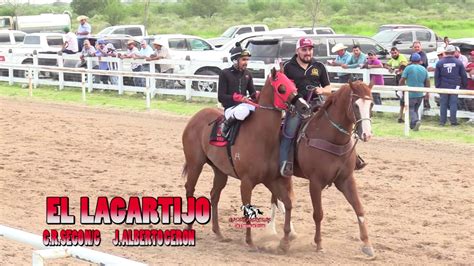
{"type": "Point", "coordinates": [83, 31]}
{"type": "Point", "coordinates": [396, 64]}
{"type": "Point", "coordinates": [415, 75]}
{"type": "Point", "coordinates": [132, 53]}
{"type": "Point", "coordinates": [449, 74]}
{"type": "Point", "coordinates": [377, 79]}
{"type": "Point", "coordinates": [342, 58]}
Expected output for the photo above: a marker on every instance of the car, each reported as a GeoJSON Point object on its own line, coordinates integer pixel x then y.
{"type": "Point", "coordinates": [130, 30]}
{"type": "Point", "coordinates": [403, 39]}
{"type": "Point", "coordinates": [235, 31]}
{"type": "Point", "coordinates": [43, 43]}
{"type": "Point", "coordinates": [10, 39]}
{"type": "Point", "coordinates": [400, 26]}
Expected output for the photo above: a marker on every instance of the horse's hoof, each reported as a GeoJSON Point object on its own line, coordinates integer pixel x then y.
{"type": "Point", "coordinates": [319, 248]}
{"type": "Point", "coordinates": [253, 248]}
{"type": "Point", "coordinates": [221, 238]}
{"type": "Point", "coordinates": [284, 246]}
{"type": "Point", "coordinates": [369, 252]}
{"type": "Point", "coordinates": [293, 236]}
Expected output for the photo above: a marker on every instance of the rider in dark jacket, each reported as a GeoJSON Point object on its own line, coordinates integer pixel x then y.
{"type": "Point", "coordinates": [235, 83]}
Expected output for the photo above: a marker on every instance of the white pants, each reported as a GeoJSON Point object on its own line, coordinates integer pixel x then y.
{"type": "Point", "coordinates": [240, 112]}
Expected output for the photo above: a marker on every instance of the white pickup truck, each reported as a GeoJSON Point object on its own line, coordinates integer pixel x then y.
{"type": "Point", "coordinates": [43, 43]}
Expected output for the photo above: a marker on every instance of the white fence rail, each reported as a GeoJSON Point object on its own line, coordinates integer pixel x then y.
{"type": "Point", "coordinates": [44, 252]}
{"type": "Point", "coordinates": [190, 84]}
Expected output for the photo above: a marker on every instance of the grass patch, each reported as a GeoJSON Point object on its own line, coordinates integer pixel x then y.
{"type": "Point", "coordinates": [110, 99]}
{"type": "Point", "coordinates": [384, 124]}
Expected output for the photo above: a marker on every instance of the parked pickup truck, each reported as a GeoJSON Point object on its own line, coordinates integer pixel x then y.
{"type": "Point", "coordinates": [403, 39]}
{"type": "Point", "coordinates": [235, 31]}
{"type": "Point", "coordinates": [43, 43]}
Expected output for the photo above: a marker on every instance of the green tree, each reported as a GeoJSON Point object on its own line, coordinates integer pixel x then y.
{"type": "Point", "coordinates": [205, 8]}
{"type": "Point", "coordinates": [113, 12]}
{"type": "Point", "coordinates": [87, 7]}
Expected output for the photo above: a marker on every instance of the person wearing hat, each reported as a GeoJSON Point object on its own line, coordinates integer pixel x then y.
{"type": "Point", "coordinates": [160, 52]}
{"type": "Point", "coordinates": [112, 52]}
{"type": "Point", "coordinates": [415, 75]}
{"type": "Point", "coordinates": [70, 42]}
{"type": "Point", "coordinates": [101, 51]}
{"type": "Point", "coordinates": [83, 31]}
{"type": "Point", "coordinates": [311, 78]}
{"type": "Point", "coordinates": [449, 74]}
{"type": "Point", "coordinates": [133, 52]}
{"type": "Point", "coordinates": [439, 54]}
{"type": "Point", "coordinates": [460, 57]}
{"type": "Point", "coordinates": [235, 83]}
{"type": "Point", "coordinates": [342, 58]}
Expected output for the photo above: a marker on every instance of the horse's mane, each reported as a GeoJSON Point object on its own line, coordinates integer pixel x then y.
{"type": "Point", "coordinates": [358, 87]}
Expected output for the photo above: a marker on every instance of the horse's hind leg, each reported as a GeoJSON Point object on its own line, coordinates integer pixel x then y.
{"type": "Point", "coordinates": [193, 169]}
{"type": "Point", "coordinates": [220, 181]}
{"type": "Point", "coordinates": [349, 189]}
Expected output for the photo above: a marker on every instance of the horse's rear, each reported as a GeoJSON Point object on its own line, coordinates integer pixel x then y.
{"type": "Point", "coordinates": [193, 146]}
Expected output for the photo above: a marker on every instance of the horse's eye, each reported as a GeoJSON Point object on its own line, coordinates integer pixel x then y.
{"type": "Point", "coordinates": [281, 89]}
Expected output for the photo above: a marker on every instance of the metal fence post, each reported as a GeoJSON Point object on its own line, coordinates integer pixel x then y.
{"type": "Point", "coordinates": [60, 72]}
{"type": "Point", "coordinates": [35, 70]}
{"type": "Point", "coordinates": [10, 69]}
{"type": "Point", "coordinates": [120, 76]}
{"type": "Point", "coordinates": [89, 74]}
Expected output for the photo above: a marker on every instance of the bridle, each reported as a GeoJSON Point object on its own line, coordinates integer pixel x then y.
{"type": "Point", "coordinates": [356, 120]}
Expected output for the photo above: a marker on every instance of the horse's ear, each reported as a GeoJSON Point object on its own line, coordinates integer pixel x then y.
{"type": "Point", "coordinates": [274, 73]}
{"type": "Point", "coordinates": [350, 85]}
{"type": "Point", "coordinates": [281, 67]}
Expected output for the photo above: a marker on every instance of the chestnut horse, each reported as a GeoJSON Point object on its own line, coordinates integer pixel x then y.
{"type": "Point", "coordinates": [254, 154]}
{"type": "Point", "coordinates": [326, 154]}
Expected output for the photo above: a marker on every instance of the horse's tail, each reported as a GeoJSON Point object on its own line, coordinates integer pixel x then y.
{"type": "Point", "coordinates": [184, 173]}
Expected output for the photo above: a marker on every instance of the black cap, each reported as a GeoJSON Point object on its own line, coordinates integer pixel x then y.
{"type": "Point", "coordinates": [237, 52]}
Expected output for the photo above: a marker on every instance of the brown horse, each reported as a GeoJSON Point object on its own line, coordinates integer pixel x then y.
{"type": "Point", "coordinates": [326, 154]}
{"type": "Point", "coordinates": [254, 154]}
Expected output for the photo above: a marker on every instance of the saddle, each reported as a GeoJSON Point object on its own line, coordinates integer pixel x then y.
{"type": "Point", "coordinates": [217, 139]}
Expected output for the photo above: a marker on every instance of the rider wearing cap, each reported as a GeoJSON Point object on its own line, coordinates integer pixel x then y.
{"type": "Point", "coordinates": [234, 83]}
{"type": "Point", "coordinates": [308, 74]}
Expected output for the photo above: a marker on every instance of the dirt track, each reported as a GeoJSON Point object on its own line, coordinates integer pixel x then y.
{"type": "Point", "coordinates": [418, 195]}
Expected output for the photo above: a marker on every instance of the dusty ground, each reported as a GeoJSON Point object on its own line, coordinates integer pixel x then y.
{"type": "Point", "coordinates": [418, 195]}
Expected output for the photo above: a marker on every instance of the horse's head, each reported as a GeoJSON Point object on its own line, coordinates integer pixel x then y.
{"type": "Point", "coordinates": [360, 109]}
{"type": "Point", "coordinates": [284, 90]}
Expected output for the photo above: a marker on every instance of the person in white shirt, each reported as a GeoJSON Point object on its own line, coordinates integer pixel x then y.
{"type": "Point", "coordinates": [70, 44]}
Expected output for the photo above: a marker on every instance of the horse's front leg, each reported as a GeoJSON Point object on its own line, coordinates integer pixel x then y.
{"type": "Point", "coordinates": [246, 187]}
{"type": "Point", "coordinates": [315, 191]}
{"type": "Point", "coordinates": [285, 187]}
{"type": "Point", "coordinates": [349, 189]}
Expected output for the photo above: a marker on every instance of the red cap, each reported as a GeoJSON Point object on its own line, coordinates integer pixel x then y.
{"type": "Point", "coordinates": [304, 42]}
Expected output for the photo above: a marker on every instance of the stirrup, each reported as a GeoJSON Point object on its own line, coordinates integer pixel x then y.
{"type": "Point", "coordinates": [360, 163]}
{"type": "Point", "coordinates": [286, 169]}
